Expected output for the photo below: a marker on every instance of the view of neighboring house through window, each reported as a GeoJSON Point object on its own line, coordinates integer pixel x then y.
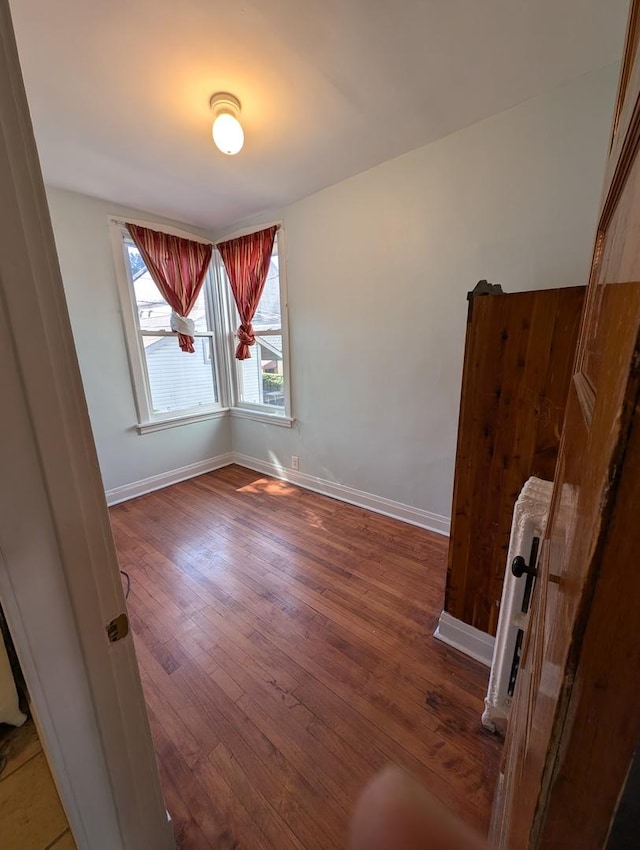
{"type": "Point", "coordinates": [260, 380]}
{"type": "Point", "coordinates": [176, 381]}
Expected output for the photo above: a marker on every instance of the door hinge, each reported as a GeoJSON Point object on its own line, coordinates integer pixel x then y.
{"type": "Point", "coordinates": [118, 628]}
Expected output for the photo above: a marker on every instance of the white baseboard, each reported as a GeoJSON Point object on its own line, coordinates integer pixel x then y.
{"type": "Point", "coordinates": [378, 504]}
{"type": "Point", "coordinates": [465, 638]}
{"type": "Point", "coordinates": [173, 476]}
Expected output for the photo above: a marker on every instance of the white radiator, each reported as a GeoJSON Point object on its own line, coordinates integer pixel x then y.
{"type": "Point", "coordinates": [529, 520]}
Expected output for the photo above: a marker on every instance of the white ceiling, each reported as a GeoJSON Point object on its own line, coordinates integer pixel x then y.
{"type": "Point", "coordinates": [119, 89]}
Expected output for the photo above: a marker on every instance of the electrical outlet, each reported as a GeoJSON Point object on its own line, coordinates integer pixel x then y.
{"type": "Point", "coordinates": [295, 462]}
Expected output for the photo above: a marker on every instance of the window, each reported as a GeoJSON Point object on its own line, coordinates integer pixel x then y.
{"type": "Point", "coordinates": [261, 383]}
{"type": "Point", "coordinates": [172, 387]}
{"type": "Point", "coordinates": [169, 384]}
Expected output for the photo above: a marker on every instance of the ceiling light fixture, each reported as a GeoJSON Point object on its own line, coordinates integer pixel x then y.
{"type": "Point", "coordinates": [227, 130]}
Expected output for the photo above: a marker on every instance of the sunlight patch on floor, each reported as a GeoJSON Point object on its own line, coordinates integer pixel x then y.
{"type": "Point", "coordinates": [273, 487]}
{"type": "Point", "coordinates": [267, 485]}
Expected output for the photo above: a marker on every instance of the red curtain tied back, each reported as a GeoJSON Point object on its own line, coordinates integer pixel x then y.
{"type": "Point", "coordinates": [246, 260]}
{"type": "Point", "coordinates": [178, 268]}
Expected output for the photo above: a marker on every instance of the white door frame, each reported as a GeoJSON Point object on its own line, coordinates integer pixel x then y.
{"type": "Point", "coordinates": [59, 579]}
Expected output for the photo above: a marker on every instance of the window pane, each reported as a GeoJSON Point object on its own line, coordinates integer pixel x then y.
{"type": "Point", "coordinates": [154, 313]}
{"type": "Point", "coordinates": [267, 315]}
{"type": "Point", "coordinates": [261, 379]}
{"type": "Point", "coordinates": [178, 380]}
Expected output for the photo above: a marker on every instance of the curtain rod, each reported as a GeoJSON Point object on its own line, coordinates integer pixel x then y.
{"type": "Point", "coordinates": [176, 231]}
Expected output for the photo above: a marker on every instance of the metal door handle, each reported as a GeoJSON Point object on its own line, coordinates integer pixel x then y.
{"type": "Point", "coordinates": [519, 567]}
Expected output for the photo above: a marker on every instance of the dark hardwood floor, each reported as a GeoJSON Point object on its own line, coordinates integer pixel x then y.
{"type": "Point", "coordinates": [286, 652]}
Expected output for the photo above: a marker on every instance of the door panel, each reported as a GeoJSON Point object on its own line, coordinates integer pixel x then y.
{"type": "Point", "coordinates": [625, 106]}
{"type": "Point", "coordinates": [603, 713]}
{"type": "Point", "coordinates": [571, 736]}
{"type": "Point", "coordinates": [584, 492]}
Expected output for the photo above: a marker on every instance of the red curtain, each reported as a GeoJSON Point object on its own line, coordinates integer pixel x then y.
{"type": "Point", "coordinates": [178, 268]}
{"type": "Point", "coordinates": [246, 260]}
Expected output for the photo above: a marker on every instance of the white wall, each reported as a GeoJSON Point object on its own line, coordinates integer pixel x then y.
{"type": "Point", "coordinates": [378, 270]}
{"type": "Point", "coordinates": [82, 238]}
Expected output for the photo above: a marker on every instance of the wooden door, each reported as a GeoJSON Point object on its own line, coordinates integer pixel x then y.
{"type": "Point", "coordinates": [576, 714]}
{"type": "Point", "coordinates": [519, 353]}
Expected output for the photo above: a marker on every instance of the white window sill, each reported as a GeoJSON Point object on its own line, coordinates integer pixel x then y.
{"type": "Point", "coordinates": [219, 413]}
{"type": "Point", "coordinates": [174, 421]}
{"type": "Point", "coordinates": [260, 416]}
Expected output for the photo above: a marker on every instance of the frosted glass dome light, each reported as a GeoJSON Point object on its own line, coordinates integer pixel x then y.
{"type": "Point", "coordinates": [227, 131]}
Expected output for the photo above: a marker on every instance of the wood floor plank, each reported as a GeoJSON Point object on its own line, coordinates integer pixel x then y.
{"type": "Point", "coordinates": [441, 754]}
{"type": "Point", "coordinates": [272, 825]}
{"type": "Point", "coordinates": [155, 681]}
{"type": "Point", "coordinates": [286, 652]}
{"type": "Point", "coordinates": [288, 789]}
{"type": "Point", "coordinates": [349, 672]}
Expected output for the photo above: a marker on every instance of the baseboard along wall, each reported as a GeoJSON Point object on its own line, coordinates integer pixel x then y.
{"type": "Point", "coordinates": [397, 510]}
{"type": "Point", "coordinates": [165, 479]}
{"type": "Point", "coordinates": [465, 638]}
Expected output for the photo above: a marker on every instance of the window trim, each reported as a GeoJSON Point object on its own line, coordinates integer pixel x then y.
{"type": "Point", "coordinates": [247, 410]}
{"type": "Point", "coordinates": [260, 416]}
{"type": "Point", "coordinates": [173, 422]}
{"type": "Point", "coordinates": [147, 420]}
